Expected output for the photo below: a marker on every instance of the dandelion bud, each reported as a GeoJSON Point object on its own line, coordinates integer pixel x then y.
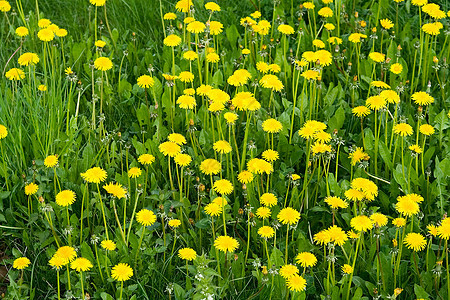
{"type": "Point", "coordinates": [394, 243]}
{"type": "Point", "coordinates": [133, 34]}
{"type": "Point", "coordinates": [264, 270]}
{"type": "Point", "coordinates": [271, 40]}
{"type": "Point", "coordinates": [191, 122]}
{"type": "Point", "coordinates": [420, 109]}
{"type": "Point", "coordinates": [301, 6]}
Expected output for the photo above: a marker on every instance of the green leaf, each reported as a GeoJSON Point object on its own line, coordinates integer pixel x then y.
{"type": "Point", "coordinates": [358, 294]}
{"type": "Point", "coordinates": [217, 78]}
{"type": "Point", "coordinates": [106, 296]}
{"type": "Point", "coordinates": [115, 35]}
{"type": "Point", "coordinates": [420, 292]}
{"type": "Point", "coordinates": [232, 35]}
{"type": "Point", "coordinates": [337, 120]}
{"type": "Point", "coordinates": [385, 155]}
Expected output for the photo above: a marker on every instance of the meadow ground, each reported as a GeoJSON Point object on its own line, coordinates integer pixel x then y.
{"type": "Point", "coordinates": [224, 150]}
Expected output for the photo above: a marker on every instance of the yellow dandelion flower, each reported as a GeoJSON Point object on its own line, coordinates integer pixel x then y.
{"type": "Point", "coordinates": [145, 81]}
{"type": "Point", "coordinates": [116, 190]}
{"type": "Point", "coordinates": [266, 232]}
{"type": "Point", "coordinates": [272, 126]}
{"type": "Point", "coordinates": [226, 244]}
{"type": "Point", "coordinates": [287, 271]}
{"type": "Point", "coordinates": [306, 259]}
{"type": "Point", "coordinates": [31, 189]}
{"type": "Point", "coordinates": [134, 172]}
{"type": "Point", "coordinates": [146, 217]}
{"type": "Point", "coordinates": [403, 129]}
{"type": "Point", "coordinates": [268, 199]}
{"type": "Point", "coordinates": [361, 223]}
{"type": "Point", "coordinates": [121, 272]}
{"type": "Point", "coordinates": [415, 241]}
{"type": "Point", "coordinates": [222, 147]}
{"type": "Point", "coordinates": [65, 198]}
{"type": "Point", "coordinates": [94, 175]}
{"type": "Point", "coordinates": [146, 159]}
{"type": "Point", "coordinates": [81, 264]}
{"type": "Point", "coordinates": [223, 186]}
{"type": "Point", "coordinates": [15, 74]}
{"type": "Point", "coordinates": [188, 254]}
{"type": "Point", "coordinates": [172, 40]}
{"type": "Point", "coordinates": [169, 149]}
{"type": "Point", "coordinates": [108, 245]}
{"type": "Point", "coordinates": [28, 59]}
{"type": "Point", "coordinates": [210, 166]}
{"type": "Point", "coordinates": [103, 64]}
{"type": "Point", "coordinates": [263, 212]}
{"type": "Point", "coordinates": [21, 263]}
{"type": "Point", "coordinates": [288, 215]}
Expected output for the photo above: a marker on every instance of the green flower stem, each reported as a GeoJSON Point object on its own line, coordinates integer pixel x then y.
{"type": "Point", "coordinates": [68, 225]}
{"type": "Point", "coordinates": [446, 266]}
{"type": "Point", "coordinates": [138, 250]}
{"type": "Point", "coordinates": [287, 241]}
{"type": "Point", "coordinates": [49, 220]}
{"type": "Point", "coordinates": [68, 278]}
{"type": "Point", "coordinates": [98, 263]}
{"type": "Point", "coordinates": [121, 290]}
{"type": "Point", "coordinates": [244, 150]}
{"type": "Point", "coordinates": [397, 266]}
{"type": "Point", "coordinates": [164, 235]}
{"type": "Point", "coordinates": [103, 211]}
{"type": "Point", "coordinates": [353, 266]}
{"type": "Point", "coordinates": [59, 285]}
{"type": "Point", "coordinates": [122, 231]}
{"type": "Point", "coordinates": [82, 287]}
{"type": "Point", "coordinates": [134, 212]}
{"type": "Point", "coordinates": [423, 153]}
